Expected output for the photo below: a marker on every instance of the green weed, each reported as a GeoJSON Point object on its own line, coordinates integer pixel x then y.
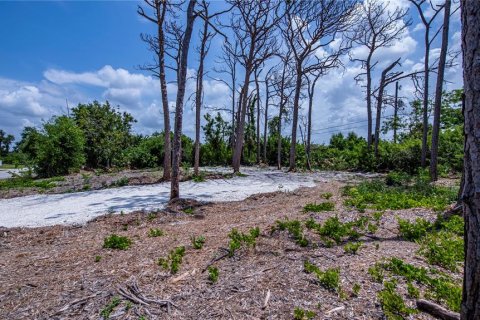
{"type": "Point", "coordinates": [329, 279]}
{"type": "Point", "coordinates": [213, 274]}
{"type": "Point", "coordinates": [173, 261]}
{"type": "Point", "coordinates": [314, 207]}
{"type": "Point", "coordinates": [154, 232]}
{"type": "Point", "coordinates": [294, 227]}
{"type": "Point", "coordinates": [301, 314]}
{"type": "Point", "coordinates": [197, 242]}
{"type": "Point", "coordinates": [392, 303]}
{"type": "Point", "coordinates": [117, 242]}
{"type": "Point", "coordinates": [105, 313]}
{"type": "Point", "coordinates": [443, 248]}
{"type": "Point", "coordinates": [327, 195]}
{"type": "Point", "coordinates": [237, 239]}
{"type": "Point", "coordinates": [352, 247]}
{"type": "Point", "coordinates": [413, 230]}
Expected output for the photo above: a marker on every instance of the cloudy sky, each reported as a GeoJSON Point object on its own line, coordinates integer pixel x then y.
{"type": "Point", "coordinates": [60, 53]}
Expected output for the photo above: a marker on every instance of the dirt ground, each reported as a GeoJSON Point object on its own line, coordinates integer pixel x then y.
{"type": "Point", "coordinates": [51, 272]}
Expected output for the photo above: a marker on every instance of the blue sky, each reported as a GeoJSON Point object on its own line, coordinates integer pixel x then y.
{"type": "Point", "coordinates": [58, 51]}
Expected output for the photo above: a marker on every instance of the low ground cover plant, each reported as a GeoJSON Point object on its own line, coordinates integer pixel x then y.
{"type": "Point", "coordinates": [239, 239]}
{"type": "Point", "coordinates": [154, 232]}
{"type": "Point", "coordinates": [295, 228]}
{"type": "Point", "coordinates": [117, 242]}
{"type": "Point", "coordinates": [329, 279]}
{"type": "Point", "coordinates": [173, 261]}
{"type": "Point", "coordinates": [197, 242]}
{"type": "Point", "coordinates": [319, 207]}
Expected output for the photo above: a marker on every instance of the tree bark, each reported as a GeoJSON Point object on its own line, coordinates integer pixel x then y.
{"type": "Point", "coordinates": [198, 94]}
{"type": "Point", "coordinates": [395, 114]}
{"type": "Point", "coordinates": [381, 90]}
{"type": "Point", "coordinates": [470, 308]}
{"type": "Point", "coordinates": [438, 94]}
{"type": "Point", "coordinates": [369, 100]}
{"type": "Point", "coordinates": [181, 82]}
{"type": "Point", "coordinates": [161, 7]}
{"type": "Point", "coordinates": [425, 98]}
{"type": "Point", "coordinates": [296, 104]}
{"type": "Point", "coordinates": [258, 117]}
{"type": "Point", "coordinates": [265, 124]}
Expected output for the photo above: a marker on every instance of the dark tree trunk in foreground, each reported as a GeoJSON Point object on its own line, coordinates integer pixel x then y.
{"type": "Point", "coordinates": [470, 308]}
{"type": "Point", "coordinates": [438, 94]}
{"type": "Point", "coordinates": [181, 82]}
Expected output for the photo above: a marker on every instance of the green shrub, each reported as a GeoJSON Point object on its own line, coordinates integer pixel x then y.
{"type": "Point", "coordinates": [352, 247]}
{"type": "Point", "coordinates": [189, 210]}
{"type": "Point", "coordinates": [329, 279]}
{"type": "Point", "coordinates": [98, 258]}
{"type": "Point", "coordinates": [22, 182]}
{"type": "Point", "coordinates": [153, 232]}
{"type": "Point", "coordinates": [199, 178]}
{"type": "Point", "coordinates": [413, 231]}
{"type": "Point", "coordinates": [301, 314]}
{"type": "Point", "coordinates": [213, 274]}
{"type": "Point", "coordinates": [237, 239]}
{"type": "Point", "coordinates": [356, 289]}
{"type": "Point", "coordinates": [392, 303]}
{"type": "Point", "coordinates": [173, 261]}
{"type": "Point", "coordinates": [107, 311]}
{"type": "Point", "coordinates": [117, 242]}
{"type": "Point", "coordinates": [396, 178]}
{"type": "Point", "coordinates": [197, 242]}
{"type": "Point", "coordinates": [443, 248]}
{"type": "Point", "coordinates": [60, 148]}
{"type": "Point", "coordinates": [376, 272]}
{"type": "Point", "coordinates": [412, 291]}
{"type": "Point", "coordinates": [327, 195]}
{"type": "Point", "coordinates": [295, 229]}
{"type": "Point", "coordinates": [314, 207]}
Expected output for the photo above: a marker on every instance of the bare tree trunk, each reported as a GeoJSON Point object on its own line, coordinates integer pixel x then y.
{"type": "Point", "coordinates": [240, 130]}
{"type": "Point", "coordinates": [470, 308]}
{"type": "Point", "coordinates": [296, 103]}
{"type": "Point", "coordinates": [381, 90]}
{"type": "Point", "coordinates": [279, 140]}
{"type": "Point", "coordinates": [265, 124]}
{"type": "Point", "coordinates": [258, 117]}
{"type": "Point", "coordinates": [198, 94]}
{"type": "Point", "coordinates": [309, 129]}
{"type": "Point", "coordinates": [181, 82]}
{"type": "Point", "coordinates": [425, 98]}
{"type": "Point", "coordinates": [438, 94]}
{"type": "Point", "coordinates": [395, 114]}
{"type": "Point", "coordinates": [369, 101]}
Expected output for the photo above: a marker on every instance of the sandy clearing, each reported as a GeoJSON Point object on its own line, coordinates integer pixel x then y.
{"type": "Point", "coordinates": [80, 207]}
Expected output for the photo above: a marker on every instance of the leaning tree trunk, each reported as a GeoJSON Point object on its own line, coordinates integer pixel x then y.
{"type": "Point", "coordinates": [470, 308]}
{"type": "Point", "coordinates": [438, 94]}
{"type": "Point", "coordinates": [182, 79]}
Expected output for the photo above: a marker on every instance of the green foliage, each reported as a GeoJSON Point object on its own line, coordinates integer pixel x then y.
{"type": "Point", "coordinates": [197, 242]}
{"type": "Point", "coordinates": [377, 195]}
{"type": "Point", "coordinates": [60, 148]}
{"type": "Point", "coordinates": [443, 248]}
{"type": "Point", "coordinates": [120, 182]}
{"type": "Point", "coordinates": [441, 288]}
{"type": "Point", "coordinates": [5, 143]}
{"type": "Point", "coordinates": [173, 261]}
{"type": "Point", "coordinates": [98, 258]}
{"type": "Point", "coordinates": [413, 230]}
{"type": "Point", "coordinates": [213, 274]}
{"type": "Point", "coordinates": [106, 130]}
{"type": "Point", "coordinates": [412, 291]}
{"type": "Point", "coordinates": [301, 314]}
{"type": "Point", "coordinates": [397, 178]}
{"type": "Point", "coordinates": [107, 311]}
{"type": "Point", "coordinates": [356, 289]}
{"type": "Point", "coordinates": [327, 195]}
{"type": "Point", "coordinates": [22, 182]}
{"type": "Point", "coordinates": [199, 178]}
{"type": "Point", "coordinates": [294, 227]}
{"type": "Point", "coordinates": [117, 242]}
{"type": "Point", "coordinates": [153, 232]}
{"type": "Point", "coordinates": [238, 239]}
{"type": "Point", "coordinates": [376, 272]}
{"type": "Point", "coordinates": [329, 279]}
{"type": "Point", "coordinates": [314, 207]}
{"type": "Point", "coordinates": [392, 303]}
{"type": "Point", "coordinates": [188, 210]}
{"type": "Point", "coordinates": [216, 150]}
{"type": "Point", "coordinates": [352, 247]}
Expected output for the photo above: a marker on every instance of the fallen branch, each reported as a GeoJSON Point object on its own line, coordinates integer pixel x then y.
{"type": "Point", "coordinates": [267, 298]}
{"type": "Point", "coordinates": [132, 293]}
{"type": "Point", "coordinates": [215, 259]}
{"type": "Point", "coordinates": [76, 302]}
{"type": "Point", "coordinates": [436, 310]}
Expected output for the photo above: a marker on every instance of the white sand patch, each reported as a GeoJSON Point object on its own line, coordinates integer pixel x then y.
{"type": "Point", "coordinates": [80, 207]}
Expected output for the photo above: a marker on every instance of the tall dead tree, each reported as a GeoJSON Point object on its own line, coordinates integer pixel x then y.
{"type": "Point", "coordinates": [227, 64]}
{"type": "Point", "coordinates": [470, 12]}
{"type": "Point", "coordinates": [438, 93]}
{"type": "Point", "coordinates": [157, 45]}
{"type": "Point", "coordinates": [253, 24]}
{"type": "Point", "coordinates": [311, 82]}
{"type": "Point", "coordinates": [310, 27]}
{"type": "Point", "coordinates": [422, 7]}
{"type": "Point", "coordinates": [258, 103]}
{"type": "Point", "coordinates": [268, 79]}
{"type": "Point", "coordinates": [376, 27]}
{"type": "Point", "coordinates": [184, 47]}
{"type": "Point", "coordinates": [395, 113]}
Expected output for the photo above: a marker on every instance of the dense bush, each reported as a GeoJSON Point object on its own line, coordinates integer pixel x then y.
{"type": "Point", "coordinates": [60, 148]}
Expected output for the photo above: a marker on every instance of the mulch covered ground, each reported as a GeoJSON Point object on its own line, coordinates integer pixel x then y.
{"type": "Point", "coordinates": [51, 273]}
